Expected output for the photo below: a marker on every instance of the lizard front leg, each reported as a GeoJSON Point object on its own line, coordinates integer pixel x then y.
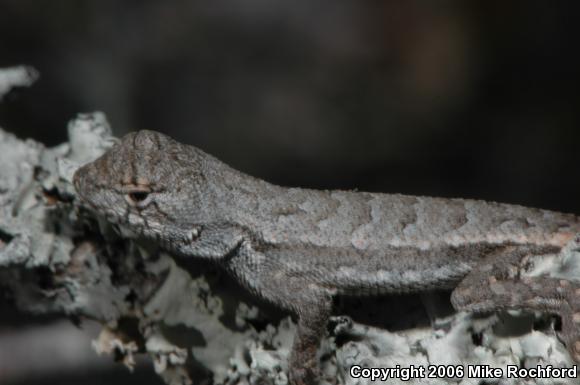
{"type": "Point", "coordinates": [496, 284]}
{"type": "Point", "coordinates": [213, 241]}
{"type": "Point", "coordinates": [313, 310]}
{"type": "Point", "coordinates": [275, 281]}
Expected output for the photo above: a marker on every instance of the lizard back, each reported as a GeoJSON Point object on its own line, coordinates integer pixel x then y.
{"type": "Point", "coordinates": [356, 242]}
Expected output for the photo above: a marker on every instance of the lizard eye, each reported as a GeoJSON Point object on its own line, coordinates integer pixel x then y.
{"type": "Point", "coordinates": [138, 198]}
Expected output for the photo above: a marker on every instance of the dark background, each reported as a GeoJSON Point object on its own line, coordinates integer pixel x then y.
{"type": "Point", "coordinates": [471, 99]}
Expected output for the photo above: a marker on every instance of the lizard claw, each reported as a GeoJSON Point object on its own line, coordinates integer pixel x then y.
{"type": "Point", "coordinates": [341, 324]}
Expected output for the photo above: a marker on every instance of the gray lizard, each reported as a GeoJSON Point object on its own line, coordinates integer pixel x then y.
{"type": "Point", "coordinates": [297, 248]}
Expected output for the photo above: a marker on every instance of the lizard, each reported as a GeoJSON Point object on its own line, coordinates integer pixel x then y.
{"type": "Point", "coordinates": [298, 248]}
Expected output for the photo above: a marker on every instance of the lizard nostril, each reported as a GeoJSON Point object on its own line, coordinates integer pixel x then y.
{"type": "Point", "coordinates": [76, 180]}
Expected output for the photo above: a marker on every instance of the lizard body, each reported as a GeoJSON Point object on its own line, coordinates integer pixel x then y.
{"type": "Point", "coordinates": [299, 247]}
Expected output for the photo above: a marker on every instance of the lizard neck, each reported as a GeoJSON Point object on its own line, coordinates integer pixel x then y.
{"type": "Point", "coordinates": [233, 197]}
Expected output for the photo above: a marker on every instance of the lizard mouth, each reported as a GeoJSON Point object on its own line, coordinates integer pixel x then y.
{"type": "Point", "coordinates": [166, 239]}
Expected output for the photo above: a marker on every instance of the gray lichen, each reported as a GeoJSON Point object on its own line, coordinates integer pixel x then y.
{"type": "Point", "coordinates": [16, 77]}
{"type": "Point", "coordinates": [56, 256]}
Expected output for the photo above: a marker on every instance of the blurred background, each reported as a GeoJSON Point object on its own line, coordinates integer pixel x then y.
{"type": "Point", "coordinates": [471, 99]}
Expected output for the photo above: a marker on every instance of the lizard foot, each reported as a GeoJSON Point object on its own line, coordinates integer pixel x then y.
{"type": "Point", "coordinates": [340, 324]}
{"type": "Point", "coordinates": [570, 333]}
{"type": "Point", "coordinates": [545, 294]}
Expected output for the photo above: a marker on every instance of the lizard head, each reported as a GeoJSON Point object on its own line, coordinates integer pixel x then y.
{"type": "Point", "coordinates": [147, 182]}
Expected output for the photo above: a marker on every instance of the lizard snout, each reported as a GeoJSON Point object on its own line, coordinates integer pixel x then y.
{"type": "Point", "coordinates": [77, 180]}
{"type": "Point", "coordinates": [81, 180]}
